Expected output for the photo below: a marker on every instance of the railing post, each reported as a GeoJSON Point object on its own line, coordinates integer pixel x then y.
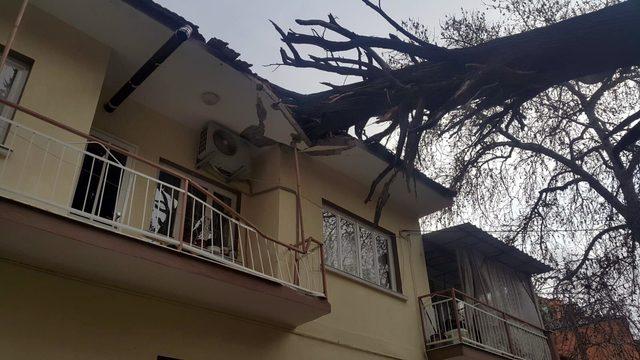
{"type": "Point", "coordinates": [506, 329]}
{"type": "Point", "coordinates": [183, 213]}
{"type": "Point", "coordinates": [296, 265]}
{"type": "Point", "coordinates": [480, 327]}
{"type": "Point", "coordinates": [424, 331]}
{"type": "Point", "coordinates": [324, 273]}
{"type": "Point", "coordinates": [455, 313]}
{"type": "Point", "coordinates": [299, 219]}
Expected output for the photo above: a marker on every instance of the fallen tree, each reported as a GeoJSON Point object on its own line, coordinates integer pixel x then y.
{"type": "Point", "coordinates": [444, 88]}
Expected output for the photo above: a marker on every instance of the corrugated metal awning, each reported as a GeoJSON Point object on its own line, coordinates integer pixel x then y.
{"type": "Point", "coordinates": [470, 236]}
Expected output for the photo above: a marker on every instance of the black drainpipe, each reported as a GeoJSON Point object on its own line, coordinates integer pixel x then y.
{"type": "Point", "coordinates": [181, 35]}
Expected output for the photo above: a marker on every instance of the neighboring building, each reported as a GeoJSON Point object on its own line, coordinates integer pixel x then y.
{"type": "Point", "coordinates": [580, 336]}
{"type": "Point", "coordinates": [482, 300]}
{"type": "Point", "coordinates": [138, 224]}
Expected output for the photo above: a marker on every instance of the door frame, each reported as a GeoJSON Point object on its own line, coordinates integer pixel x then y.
{"type": "Point", "coordinates": [123, 195]}
{"type": "Point", "coordinates": [235, 196]}
{"type": "Point", "coordinates": [204, 180]}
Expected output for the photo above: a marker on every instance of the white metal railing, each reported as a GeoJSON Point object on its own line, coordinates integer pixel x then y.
{"type": "Point", "coordinates": [62, 170]}
{"type": "Point", "coordinates": [212, 233]}
{"type": "Point", "coordinates": [451, 317]}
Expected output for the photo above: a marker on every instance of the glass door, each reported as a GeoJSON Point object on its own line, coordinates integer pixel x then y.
{"type": "Point", "coordinates": [102, 183]}
{"type": "Point", "coordinates": [204, 229]}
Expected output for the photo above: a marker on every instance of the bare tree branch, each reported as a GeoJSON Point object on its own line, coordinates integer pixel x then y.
{"type": "Point", "coordinates": [569, 276]}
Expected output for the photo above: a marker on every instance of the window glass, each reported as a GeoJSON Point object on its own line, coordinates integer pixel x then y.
{"type": "Point", "coordinates": [8, 77]}
{"type": "Point", "coordinates": [13, 77]}
{"type": "Point", "coordinates": [368, 256]}
{"type": "Point", "coordinates": [348, 258]}
{"type": "Point", "coordinates": [195, 221]}
{"type": "Point", "coordinates": [165, 205]}
{"type": "Point", "coordinates": [384, 266]}
{"type": "Point", "coordinates": [99, 182]}
{"type": "Point", "coordinates": [358, 249]}
{"type": "Point", "coordinates": [330, 230]}
{"type": "Point", "coordinates": [204, 225]}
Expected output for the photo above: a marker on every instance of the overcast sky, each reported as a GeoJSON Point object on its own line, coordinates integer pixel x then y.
{"type": "Point", "coordinates": [244, 24]}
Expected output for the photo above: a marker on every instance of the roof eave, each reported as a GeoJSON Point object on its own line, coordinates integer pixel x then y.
{"type": "Point", "coordinates": [474, 232]}
{"type": "Point", "coordinates": [173, 21]}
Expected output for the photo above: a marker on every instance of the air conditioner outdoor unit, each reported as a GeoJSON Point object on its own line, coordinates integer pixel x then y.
{"type": "Point", "coordinates": [223, 152]}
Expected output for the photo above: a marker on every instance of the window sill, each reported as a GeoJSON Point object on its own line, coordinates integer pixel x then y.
{"type": "Point", "coordinates": [4, 151]}
{"type": "Point", "coordinates": [356, 279]}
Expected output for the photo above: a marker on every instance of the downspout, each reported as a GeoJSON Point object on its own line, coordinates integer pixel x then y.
{"type": "Point", "coordinates": [179, 36]}
{"type": "Point", "coordinates": [299, 221]}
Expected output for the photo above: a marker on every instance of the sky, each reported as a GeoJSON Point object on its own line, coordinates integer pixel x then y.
{"type": "Point", "coordinates": [244, 24]}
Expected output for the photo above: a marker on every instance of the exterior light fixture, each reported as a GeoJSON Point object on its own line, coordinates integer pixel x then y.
{"type": "Point", "coordinates": [210, 98]}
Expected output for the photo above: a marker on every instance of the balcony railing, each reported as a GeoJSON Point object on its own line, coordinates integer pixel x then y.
{"type": "Point", "coordinates": [46, 161]}
{"type": "Point", "coordinates": [451, 317]}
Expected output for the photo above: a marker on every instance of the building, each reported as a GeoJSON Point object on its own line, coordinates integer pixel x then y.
{"type": "Point", "coordinates": [579, 335]}
{"type": "Point", "coordinates": [482, 299]}
{"type": "Point", "coordinates": [166, 212]}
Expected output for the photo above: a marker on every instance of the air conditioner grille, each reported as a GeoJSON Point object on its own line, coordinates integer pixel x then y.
{"type": "Point", "coordinates": [223, 153]}
{"type": "Point", "coordinates": [224, 142]}
{"type": "Point", "coordinates": [202, 144]}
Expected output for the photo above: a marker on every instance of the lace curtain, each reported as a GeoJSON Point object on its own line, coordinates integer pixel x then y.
{"type": "Point", "coordinates": [498, 285]}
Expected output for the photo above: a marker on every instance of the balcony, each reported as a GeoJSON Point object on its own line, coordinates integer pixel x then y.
{"type": "Point", "coordinates": [72, 205]}
{"type": "Point", "coordinates": [457, 326]}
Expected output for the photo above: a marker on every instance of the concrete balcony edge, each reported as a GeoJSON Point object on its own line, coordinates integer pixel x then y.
{"type": "Point", "coordinates": [43, 239]}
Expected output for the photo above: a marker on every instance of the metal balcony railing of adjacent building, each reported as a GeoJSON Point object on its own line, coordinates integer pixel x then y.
{"type": "Point", "coordinates": [55, 167]}
{"type": "Point", "coordinates": [451, 317]}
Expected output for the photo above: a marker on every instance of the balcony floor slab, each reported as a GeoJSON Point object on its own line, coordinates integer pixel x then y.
{"type": "Point", "coordinates": [60, 244]}
{"type": "Point", "coordinates": [462, 352]}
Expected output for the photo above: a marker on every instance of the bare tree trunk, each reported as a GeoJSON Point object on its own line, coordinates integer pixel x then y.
{"type": "Point", "coordinates": [504, 70]}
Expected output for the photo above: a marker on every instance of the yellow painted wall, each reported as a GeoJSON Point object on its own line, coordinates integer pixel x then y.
{"type": "Point", "coordinates": [48, 317]}
{"type": "Point", "coordinates": [64, 83]}
{"type": "Point", "coordinates": [69, 66]}
{"type": "Point", "coordinates": [361, 314]}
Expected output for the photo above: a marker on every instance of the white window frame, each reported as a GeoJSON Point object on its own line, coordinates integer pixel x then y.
{"type": "Point", "coordinates": [123, 195]}
{"type": "Point", "coordinates": [15, 92]}
{"type": "Point", "coordinates": [126, 179]}
{"type": "Point", "coordinates": [358, 224]}
{"type": "Point", "coordinates": [209, 185]}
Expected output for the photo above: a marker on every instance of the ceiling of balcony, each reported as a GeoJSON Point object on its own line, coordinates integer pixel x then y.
{"type": "Point", "coordinates": [175, 88]}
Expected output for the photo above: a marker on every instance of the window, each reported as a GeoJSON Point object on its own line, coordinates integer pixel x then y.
{"type": "Point", "coordinates": [13, 77]}
{"type": "Point", "coordinates": [165, 205]}
{"type": "Point", "coordinates": [359, 249]}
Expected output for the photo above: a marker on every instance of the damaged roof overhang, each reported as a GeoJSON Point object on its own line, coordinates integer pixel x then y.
{"type": "Point", "coordinates": [219, 49]}
{"type": "Point", "coordinates": [168, 18]}
{"type": "Point", "coordinates": [385, 154]}
{"type": "Point", "coordinates": [224, 53]}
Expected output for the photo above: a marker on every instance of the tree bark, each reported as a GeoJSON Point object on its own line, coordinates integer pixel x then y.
{"type": "Point", "coordinates": [498, 72]}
